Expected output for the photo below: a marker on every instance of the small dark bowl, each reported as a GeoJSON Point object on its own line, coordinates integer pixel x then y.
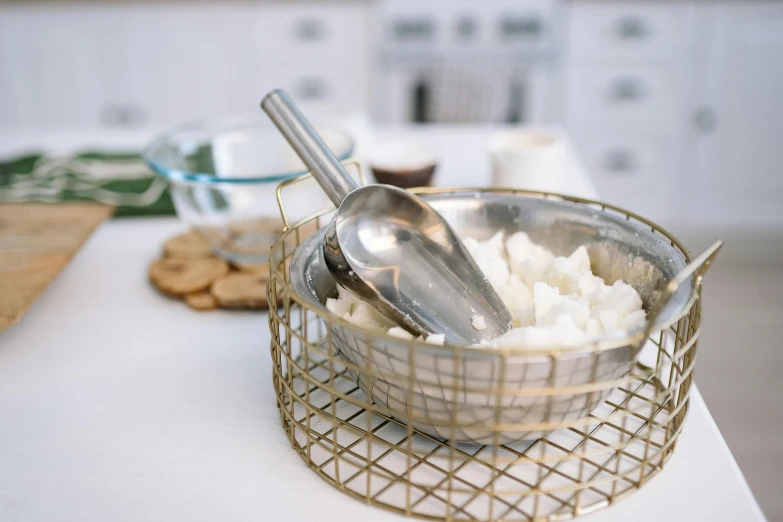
{"type": "Point", "coordinates": [420, 177]}
{"type": "Point", "coordinates": [404, 164]}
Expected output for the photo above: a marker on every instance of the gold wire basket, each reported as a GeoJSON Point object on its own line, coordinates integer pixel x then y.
{"type": "Point", "coordinates": [626, 430]}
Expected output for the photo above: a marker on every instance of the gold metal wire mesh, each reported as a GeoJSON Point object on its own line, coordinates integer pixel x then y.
{"type": "Point", "coordinates": [576, 465]}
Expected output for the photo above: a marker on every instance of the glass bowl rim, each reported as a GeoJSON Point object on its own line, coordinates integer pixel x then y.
{"type": "Point", "coordinates": [223, 125]}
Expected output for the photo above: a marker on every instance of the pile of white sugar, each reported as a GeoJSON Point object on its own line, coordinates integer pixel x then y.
{"type": "Point", "coordinates": [554, 301]}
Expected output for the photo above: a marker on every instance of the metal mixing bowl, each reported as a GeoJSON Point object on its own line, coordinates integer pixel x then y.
{"type": "Point", "coordinates": [491, 396]}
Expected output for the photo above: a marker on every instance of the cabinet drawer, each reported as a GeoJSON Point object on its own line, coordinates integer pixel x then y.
{"type": "Point", "coordinates": [331, 31]}
{"type": "Point", "coordinates": [611, 31]}
{"type": "Point", "coordinates": [325, 85]}
{"type": "Point", "coordinates": [627, 96]}
{"type": "Point", "coordinates": [639, 172]}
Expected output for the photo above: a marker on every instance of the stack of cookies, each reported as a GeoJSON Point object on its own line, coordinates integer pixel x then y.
{"type": "Point", "coordinates": [190, 271]}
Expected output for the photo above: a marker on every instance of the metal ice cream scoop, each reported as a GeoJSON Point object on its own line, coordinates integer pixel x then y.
{"type": "Point", "coordinates": [392, 250]}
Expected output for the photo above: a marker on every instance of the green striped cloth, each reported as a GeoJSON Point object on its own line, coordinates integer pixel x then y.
{"type": "Point", "coordinates": [121, 180]}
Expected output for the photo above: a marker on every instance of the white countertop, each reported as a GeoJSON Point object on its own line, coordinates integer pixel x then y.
{"type": "Point", "coordinates": [118, 404]}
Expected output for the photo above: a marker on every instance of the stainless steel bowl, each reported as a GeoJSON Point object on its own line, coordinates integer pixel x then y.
{"type": "Point", "coordinates": [499, 396]}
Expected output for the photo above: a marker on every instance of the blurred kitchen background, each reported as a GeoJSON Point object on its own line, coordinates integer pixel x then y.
{"type": "Point", "coordinates": [674, 106]}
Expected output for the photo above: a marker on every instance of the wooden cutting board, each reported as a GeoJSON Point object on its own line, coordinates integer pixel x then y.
{"type": "Point", "coordinates": [36, 243]}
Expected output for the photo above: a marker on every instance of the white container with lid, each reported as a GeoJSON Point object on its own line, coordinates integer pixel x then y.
{"type": "Point", "coordinates": [526, 159]}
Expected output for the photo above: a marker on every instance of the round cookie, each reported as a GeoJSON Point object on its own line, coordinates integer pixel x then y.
{"type": "Point", "coordinates": [201, 300]}
{"type": "Point", "coordinates": [265, 224]}
{"type": "Point", "coordinates": [240, 290]}
{"type": "Point", "coordinates": [190, 245]}
{"type": "Point", "coordinates": [177, 277]}
{"type": "Point", "coordinates": [261, 270]}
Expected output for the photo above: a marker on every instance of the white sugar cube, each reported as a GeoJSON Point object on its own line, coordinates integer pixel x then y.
{"type": "Point", "coordinates": [578, 312]}
{"type": "Point", "coordinates": [564, 272]}
{"type": "Point", "coordinates": [580, 259]}
{"type": "Point", "coordinates": [527, 336]}
{"type": "Point", "coordinates": [519, 300]}
{"type": "Point", "coordinates": [495, 243]}
{"type": "Point", "coordinates": [400, 333]}
{"type": "Point", "coordinates": [364, 315]}
{"type": "Point", "coordinates": [438, 339]}
{"type": "Point", "coordinates": [592, 289]}
{"type": "Point", "coordinates": [622, 298]}
{"type": "Point", "coordinates": [526, 259]}
{"type": "Point", "coordinates": [490, 258]}
{"type": "Point", "coordinates": [472, 245]}
{"type": "Point", "coordinates": [566, 332]}
{"type": "Point", "coordinates": [593, 328]}
{"type": "Point", "coordinates": [634, 320]}
{"type": "Point", "coordinates": [609, 319]}
{"type": "Point", "coordinates": [544, 298]}
{"type": "Point", "coordinates": [478, 322]}
{"type": "Point", "coordinates": [339, 307]}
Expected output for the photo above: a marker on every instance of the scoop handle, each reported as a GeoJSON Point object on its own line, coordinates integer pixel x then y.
{"type": "Point", "coordinates": [308, 145]}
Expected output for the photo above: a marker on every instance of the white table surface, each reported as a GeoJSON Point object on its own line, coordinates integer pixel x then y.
{"type": "Point", "coordinates": [118, 404]}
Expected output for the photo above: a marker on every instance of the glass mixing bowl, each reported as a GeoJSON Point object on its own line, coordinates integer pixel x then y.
{"type": "Point", "coordinates": [223, 176]}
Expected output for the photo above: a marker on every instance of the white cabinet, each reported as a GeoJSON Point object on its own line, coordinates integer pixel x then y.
{"type": "Point", "coordinates": [198, 59]}
{"type": "Point", "coordinates": [61, 93]}
{"type": "Point", "coordinates": [147, 63]}
{"type": "Point", "coordinates": [77, 64]}
{"type": "Point", "coordinates": [647, 96]}
{"type": "Point", "coordinates": [636, 170]}
{"type": "Point", "coordinates": [317, 51]}
{"type": "Point", "coordinates": [739, 174]}
{"type": "Point", "coordinates": [630, 31]}
{"type": "Point", "coordinates": [677, 109]}
{"type": "Point", "coordinates": [628, 98]}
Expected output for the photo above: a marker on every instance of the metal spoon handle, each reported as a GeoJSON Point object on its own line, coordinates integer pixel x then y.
{"type": "Point", "coordinates": [326, 168]}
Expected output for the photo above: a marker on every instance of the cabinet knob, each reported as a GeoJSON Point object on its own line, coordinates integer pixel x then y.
{"type": "Point", "coordinates": [521, 26]}
{"type": "Point", "coordinates": [466, 27]}
{"type": "Point", "coordinates": [620, 162]}
{"type": "Point", "coordinates": [311, 88]}
{"type": "Point", "coordinates": [705, 120]}
{"type": "Point", "coordinates": [413, 29]}
{"type": "Point", "coordinates": [122, 115]}
{"type": "Point", "coordinates": [627, 89]}
{"type": "Point", "coordinates": [309, 30]}
{"type": "Point", "coordinates": [631, 28]}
